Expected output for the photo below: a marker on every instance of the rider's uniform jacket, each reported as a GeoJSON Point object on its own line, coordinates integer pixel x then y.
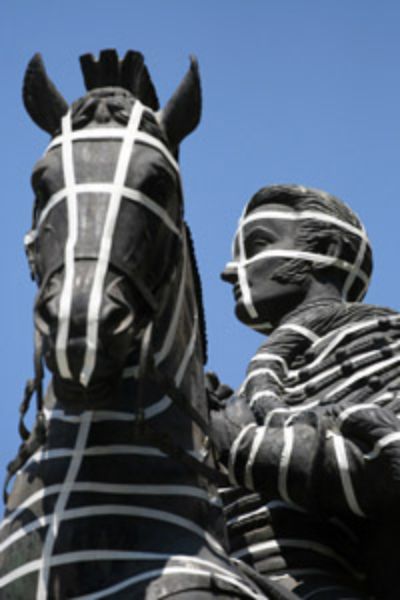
{"type": "Point", "coordinates": [324, 389]}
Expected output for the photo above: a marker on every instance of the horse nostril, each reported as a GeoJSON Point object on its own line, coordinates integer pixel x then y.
{"type": "Point", "coordinates": [112, 315]}
{"type": "Point", "coordinates": [116, 317]}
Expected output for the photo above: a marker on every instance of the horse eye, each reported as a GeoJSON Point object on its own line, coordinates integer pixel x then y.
{"type": "Point", "coordinates": [41, 190]}
{"type": "Point", "coordinates": [158, 187]}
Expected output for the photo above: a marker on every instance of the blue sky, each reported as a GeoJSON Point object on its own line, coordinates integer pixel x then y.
{"type": "Point", "coordinates": [295, 91]}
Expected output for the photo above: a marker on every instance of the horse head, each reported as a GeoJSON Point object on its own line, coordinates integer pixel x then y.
{"type": "Point", "coordinates": [107, 227]}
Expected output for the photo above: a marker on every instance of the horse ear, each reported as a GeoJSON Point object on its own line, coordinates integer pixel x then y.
{"type": "Point", "coordinates": [42, 100]}
{"type": "Point", "coordinates": [181, 115]}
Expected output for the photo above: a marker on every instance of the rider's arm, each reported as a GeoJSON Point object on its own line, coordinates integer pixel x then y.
{"type": "Point", "coordinates": [344, 462]}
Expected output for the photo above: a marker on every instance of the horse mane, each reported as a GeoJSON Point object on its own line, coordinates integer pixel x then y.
{"type": "Point", "coordinates": [130, 73]}
{"type": "Point", "coordinates": [198, 292]}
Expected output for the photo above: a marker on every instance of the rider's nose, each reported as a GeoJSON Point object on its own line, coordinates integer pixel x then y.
{"type": "Point", "coordinates": [229, 275]}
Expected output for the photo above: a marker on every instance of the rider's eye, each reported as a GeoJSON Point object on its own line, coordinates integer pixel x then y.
{"type": "Point", "coordinates": [258, 243]}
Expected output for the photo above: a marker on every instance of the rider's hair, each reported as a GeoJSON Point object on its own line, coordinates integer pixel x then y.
{"type": "Point", "coordinates": [314, 235]}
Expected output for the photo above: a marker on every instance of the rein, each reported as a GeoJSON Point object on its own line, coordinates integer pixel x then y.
{"type": "Point", "coordinates": [150, 374]}
{"type": "Point", "coordinates": [32, 440]}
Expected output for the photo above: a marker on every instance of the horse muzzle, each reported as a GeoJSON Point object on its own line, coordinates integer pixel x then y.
{"type": "Point", "coordinates": [87, 339]}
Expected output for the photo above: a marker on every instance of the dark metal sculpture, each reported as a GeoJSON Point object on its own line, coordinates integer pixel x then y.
{"type": "Point", "coordinates": [313, 430]}
{"type": "Point", "coordinates": [115, 494]}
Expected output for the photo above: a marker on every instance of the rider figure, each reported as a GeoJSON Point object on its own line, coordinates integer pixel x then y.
{"type": "Point", "coordinates": [312, 431]}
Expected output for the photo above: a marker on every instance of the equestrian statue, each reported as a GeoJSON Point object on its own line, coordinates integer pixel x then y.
{"type": "Point", "coordinates": [141, 478]}
{"type": "Point", "coordinates": [115, 491]}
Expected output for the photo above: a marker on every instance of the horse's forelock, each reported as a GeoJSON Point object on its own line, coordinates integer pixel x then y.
{"type": "Point", "coordinates": [118, 102]}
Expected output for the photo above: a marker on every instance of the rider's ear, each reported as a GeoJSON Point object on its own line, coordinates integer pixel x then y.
{"type": "Point", "coordinates": [331, 246]}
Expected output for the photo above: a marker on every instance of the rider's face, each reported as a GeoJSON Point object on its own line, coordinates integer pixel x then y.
{"type": "Point", "coordinates": [259, 297]}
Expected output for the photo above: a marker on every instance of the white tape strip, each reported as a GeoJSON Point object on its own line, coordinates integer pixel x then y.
{"type": "Point", "coordinates": [98, 416]}
{"type": "Point", "coordinates": [327, 373]}
{"type": "Point", "coordinates": [98, 133]}
{"type": "Point", "coordinates": [345, 414]}
{"type": "Point", "coordinates": [188, 352]}
{"type": "Point", "coordinates": [239, 266]}
{"type": "Point", "coordinates": [263, 394]}
{"type": "Point", "coordinates": [386, 440]}
{"type": "Point", "coordinates": [363, 373]}
{"type": "Point", "coordinates": [52, 202]}
{"type": "Point", "coordinates": [116, 133]}
{"type": "Point", "coordinates": [165, 402]}
{"type": "Point", "coordinates": [284, 463]}
{"type": "Point", "coordinates": [59, 509]}
{"type": "Point", "coordinates": [266, 509]}
{"type": "Point", "coordinates": [108, 188]}
{"type": "Point", "coordinates": [345, 478]}
{"type": "Point", "coordinates": [234, 451]}
{"type": "Point", "coordinates": [64, 311]}
{"type": "Point", "coordinates": [292, 410]}
{"type": "Point", "coordinates": [100, 488]}
{"type": "Point", "coordinates": [166, 346]}
{"type": "Point", "coordinates": [112, 450]}
{"type": "Point", "coordinates": [314, 257]}
{"type": "Point", "coordinates": [350, 279]}
{"type": "Point", "coordinates": [255, 446]}
{"type": "Point", "coordinates": [304, 331]}
{"type": "Point", "coordinates": [385, 397]}
{"type": "Point", "coordinates": [173, 321]}
{"type": "Point", "coordinates": [303, 216]}
{"type": "Point", "coordinates": [96, 293]}
{"type": "Point", "coordinates": [132, 511]}
{"type": "Point", "coordinates": [257, 373]}
{"type": "Point", "coordinates": [342, 334]}
{"type": "Point", "coordinates": [119, 510]}
{"type": "Point", "coordinates": [242, 277]}
{"type": "Point", "coordinates": [149, 413]}
{"type": "Point", "coordinates": [248, 516]}
{"type": "Point", "coordinates": [270, 356]}
{"type": "Point", "coordinates": [149, 140]}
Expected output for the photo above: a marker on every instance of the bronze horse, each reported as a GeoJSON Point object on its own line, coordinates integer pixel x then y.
{"type": "Point", "coordinates": [115, 492]}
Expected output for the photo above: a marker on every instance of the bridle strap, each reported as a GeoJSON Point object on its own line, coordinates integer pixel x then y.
{"type": "Point", "coordinates": [131, 274]}
{"type": "Point", "coordinates": [150, 374]}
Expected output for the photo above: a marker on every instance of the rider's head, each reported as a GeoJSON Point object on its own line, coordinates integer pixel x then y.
{"type": "Point", "coordinates": [295, 245]}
